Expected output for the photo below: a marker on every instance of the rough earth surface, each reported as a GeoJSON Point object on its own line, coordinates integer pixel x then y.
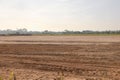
{"type": "Point", "coordinates": [51, 57]}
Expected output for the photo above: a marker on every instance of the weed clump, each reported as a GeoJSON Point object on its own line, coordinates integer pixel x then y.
{"type": "Point", "coordinates": [11, 77]}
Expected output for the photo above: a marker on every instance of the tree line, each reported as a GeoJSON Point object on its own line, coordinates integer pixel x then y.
{"type": "Point", "coordinates": [24, 31]}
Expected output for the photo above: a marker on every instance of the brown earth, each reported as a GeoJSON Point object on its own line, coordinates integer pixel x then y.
{"type": "Point", "coordinates": [48, 57]}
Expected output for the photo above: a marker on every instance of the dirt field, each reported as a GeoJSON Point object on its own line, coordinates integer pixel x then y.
{"type": "Point", "coordinates": [48, 57]}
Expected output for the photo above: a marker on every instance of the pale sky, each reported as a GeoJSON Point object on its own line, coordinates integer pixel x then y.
{"type": "Point", "coordinates": [58, 15]}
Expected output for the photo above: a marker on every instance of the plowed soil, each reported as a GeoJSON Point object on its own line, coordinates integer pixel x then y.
{"type": "Point", "coordinates": [72, 57]}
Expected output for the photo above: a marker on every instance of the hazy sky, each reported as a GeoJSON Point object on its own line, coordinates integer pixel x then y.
{"type": "Point", "coordinates": [60, 14]}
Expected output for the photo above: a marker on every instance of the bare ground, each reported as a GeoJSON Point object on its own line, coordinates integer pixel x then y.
{"type": "Point", "coordinates": [48, 57]}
